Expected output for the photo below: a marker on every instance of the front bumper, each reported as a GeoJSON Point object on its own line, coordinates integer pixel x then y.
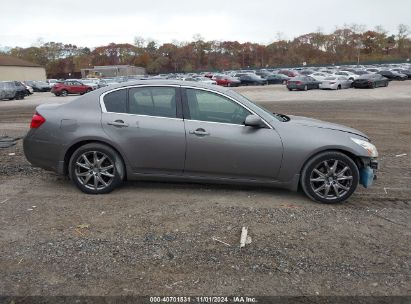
{"type": "Point", "coordinates": [367, 173]}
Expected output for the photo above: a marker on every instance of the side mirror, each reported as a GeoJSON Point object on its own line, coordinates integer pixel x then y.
{"type": "Point", "coordinates": [253, 121]}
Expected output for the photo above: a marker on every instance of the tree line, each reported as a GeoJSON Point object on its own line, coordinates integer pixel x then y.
{"type": "Point", "coordinates": [354, 44]}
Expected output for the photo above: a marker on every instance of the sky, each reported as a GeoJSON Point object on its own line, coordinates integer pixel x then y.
{"type": "Point", "coordinates": [99, 22]}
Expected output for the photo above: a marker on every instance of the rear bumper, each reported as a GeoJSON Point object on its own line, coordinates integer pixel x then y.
{"type": "Point", "coordinates": [42, 154]}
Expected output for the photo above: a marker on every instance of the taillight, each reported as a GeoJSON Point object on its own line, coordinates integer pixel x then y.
{"type": "Point", "coordinates": [298, 83]}
{"type": "Point", "coordinates": [37, 121]}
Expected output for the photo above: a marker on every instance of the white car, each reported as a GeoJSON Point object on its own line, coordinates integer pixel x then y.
{"type": "Point", "coordinates": [349, 75]}
{"type": "Point", "coordinates": [319, 76]}
{"type": "Point", "coordinates": [90, 82]}
{"type": "Point", "coordinates": [204, 80]}
{"type": "Point", "coordinates": [335, 83]}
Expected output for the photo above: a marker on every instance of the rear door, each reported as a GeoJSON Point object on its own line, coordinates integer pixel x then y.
{"type": "Point", "coordinates": [146, 123]}
{"type": "Point", "coordinates": [219, 145]}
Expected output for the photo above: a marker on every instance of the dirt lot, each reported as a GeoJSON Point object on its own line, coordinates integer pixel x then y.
{"type": "Point", "coordinates": [164, 239]}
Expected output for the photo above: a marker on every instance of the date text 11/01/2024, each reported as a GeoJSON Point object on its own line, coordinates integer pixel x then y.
{"type": "Point", "coordinates": [203, 299]}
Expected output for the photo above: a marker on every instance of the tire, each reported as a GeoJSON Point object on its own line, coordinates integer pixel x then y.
{"type": "Point", "coordinates": [339, 87]}
{"type": "Point", "coordinates": [88, 90]}
{"type": "Point", "coordinates": [386, 84]}
{"type": "Point", "coordinates": [64, 93]}
{"type": "Point", "coordinates": [289, 89]}
{"type": "Point", "coordinates": [315, 185]}
{"type": "Point", "coordinates": [93, 177]}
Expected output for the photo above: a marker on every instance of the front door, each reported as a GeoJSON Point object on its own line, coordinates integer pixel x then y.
{"type": "Point", "coordinates": [220, 145]}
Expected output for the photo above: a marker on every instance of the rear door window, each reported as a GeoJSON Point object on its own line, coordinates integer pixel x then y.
{"type": "Point", "coordinates": [153, 101]}
{"type": "Point", "coordinates": [116, 101]}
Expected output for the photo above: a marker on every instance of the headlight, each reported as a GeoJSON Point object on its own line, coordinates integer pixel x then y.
{"type": "Point", "coordinates": [371, 149]}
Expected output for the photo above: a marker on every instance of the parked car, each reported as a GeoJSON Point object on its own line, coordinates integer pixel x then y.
{"type": "Point", "coordinates": [306, 72]}
{"type": "Point", "coordinates": [303, 83]}
{"type": "Point", "coordinates": [214, 135]}
{"type": "Point", "coordinates": [226, 81]}
{"type": "Point", "coordinates": [263, 73]}
{"type": "Point", "coordinates": [277, 79]}
{"type": "Point", "coordinates": [38, 86]}
{"type": "Point", "coordinates": [403, 71]}
{"type": "Point", "coordinates": [370, 81]}
{"type": "Point", "coordinates": [289, 73]}
{"type": "Point", "coordinates": [335, 83]}
{"type": "Point", "coordinates": [12, 90]}
{"type": "Point", "coordinates": [251, 79]}
{"type": "Point", "coordinates": [105, 82]}
{"type": "Point", "coordinates": [52, 82]}
{"type": "Point", "coordinates": [348, 74]}
{"type": "Point", "coordinates": [319, 76]}
{"type": "Point", "coordinates": [361, 72]}
{"type": "Point", "coordinates": [203, 80]}
{"type": "Point", "coordinates": [29, 89]}
{"type": "Point", "coordinates": [70, 87]}
{"type": "Point", "coordinates": [90, 82]}
{"type": "Point", "coordinates": [392, 75]}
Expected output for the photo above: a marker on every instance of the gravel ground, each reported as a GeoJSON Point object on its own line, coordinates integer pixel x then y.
{"type": "Point", "coordinates": [183, 239]}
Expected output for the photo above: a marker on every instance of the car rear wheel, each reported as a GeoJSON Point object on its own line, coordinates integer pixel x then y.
{"type": "Point", "coordinates": [329, 177]}
{"type": "Point", "coordinates": [64, 93]}
{"type": "Point", "coordinates": [339, 87]}
{"type": "Point", "coordinates": [96, 169]}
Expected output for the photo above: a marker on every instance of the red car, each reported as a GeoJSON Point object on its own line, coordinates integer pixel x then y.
{"type": "Point", "coordinates": [70, 87]}
{"type": "Point", "coordinates": [289, 73]}
{"type": "Point", "coordinates": [226, 81]}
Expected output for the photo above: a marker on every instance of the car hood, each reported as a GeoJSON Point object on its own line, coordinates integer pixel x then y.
{"type": "Point", "coordinates": [310, 122]}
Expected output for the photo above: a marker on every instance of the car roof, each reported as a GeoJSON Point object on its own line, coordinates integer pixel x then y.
{"type": "Point", "coordinates": [162, 82]}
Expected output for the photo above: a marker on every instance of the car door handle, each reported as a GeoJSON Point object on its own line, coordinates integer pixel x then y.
{"type": "Point", "coordinates": [200, 132]}
{"type": "Point", "coordinates": [118, 123]}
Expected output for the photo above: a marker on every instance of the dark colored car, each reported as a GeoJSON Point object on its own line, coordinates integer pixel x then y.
{"type": "Point", "coordinates": [226, 81]}
{"type": "Point", "coordinates": [306, 72]}
{"type": "Point", "coordinates": [405, 72]}
{"type": "Point", "coordinates": [361, 72]}
{"type": "Point", "coordinates": [38, 86]}
{"type": "Point", "coordinates": [12, 90]}
{"type": "Point", "coordinates": [252, 79]}
{"type": "Point", "coordinates": [303, 83]}
{"type": "Point", "coordinates": [263, 73]}
{"type": "Point", "coordinates": [277, 79]}
{"type": "Point", "coordinates": [70, 87]}
{"type": "Point", "coordinates": [189, 131]}
{"type": "Point", "coordinates": [370, 81]}
{"type": "Point", "coordinates": [393, 75]}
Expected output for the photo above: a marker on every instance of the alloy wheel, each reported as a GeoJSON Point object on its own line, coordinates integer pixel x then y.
{"type": "Point", "coordinates": [94, 170]}
{"type": "Point", "coordinates": [331, 179]}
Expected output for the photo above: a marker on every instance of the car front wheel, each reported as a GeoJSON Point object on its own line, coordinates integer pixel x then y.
{"type": "Point", "coordinates": [329, 177]}
{"type": "Point", "coordinates": [96, 169]}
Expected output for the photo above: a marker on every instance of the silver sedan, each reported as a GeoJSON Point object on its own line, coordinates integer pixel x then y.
{"type": "Point", "coordinates": [335, 83]}
{"type": "Point", "coordinates": [188, 131]}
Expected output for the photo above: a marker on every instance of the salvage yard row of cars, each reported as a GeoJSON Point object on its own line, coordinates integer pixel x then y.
{"type": "Point", "coordinates": [331, 77]}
